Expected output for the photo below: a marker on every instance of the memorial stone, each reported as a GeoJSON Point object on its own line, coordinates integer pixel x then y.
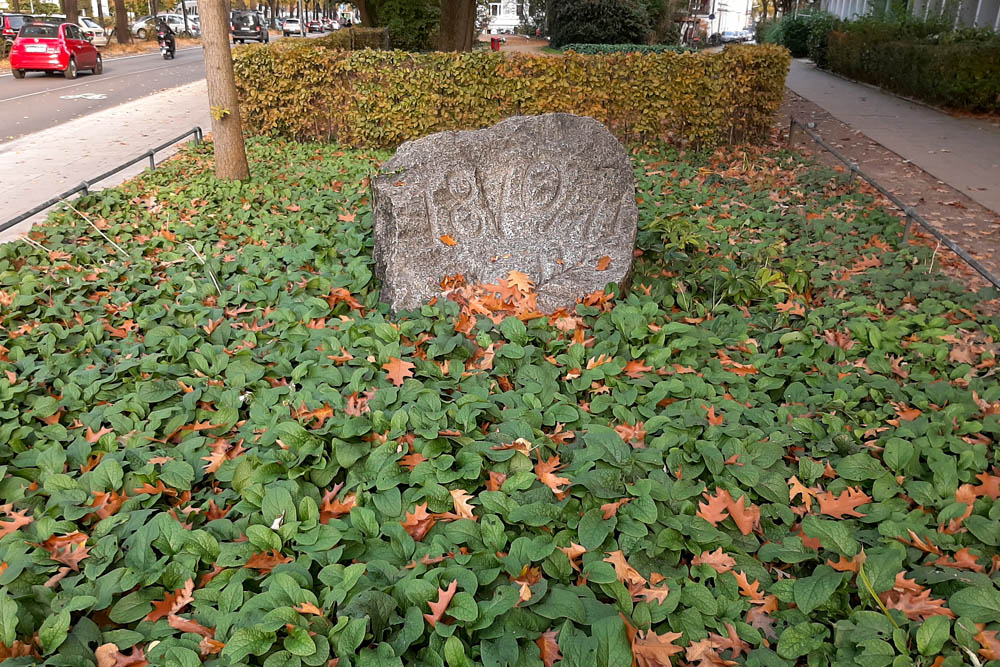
{"type": "Point", "coordinates": [551, 196]}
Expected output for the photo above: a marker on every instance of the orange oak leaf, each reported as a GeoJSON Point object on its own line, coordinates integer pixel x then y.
{"type": "Point", "coordinates": [108, 655]}
{"type": "Point", "coordinates": [522, 281]}
{"type": "Point", "coordinates": [444, 599]}
{"type": "Point", "coordinates": [626, 574]}
{"type": "Point", "coordinates": [545, 470]}
{"type": "Point", "coordinates": [398, 370]}
{"type": "Point", "coordinates": [760, 616]}
{"type": "Point", "coordinates": [703, 654]}
{"type": "Point", "coordinates": [92, 437]}
{"type": "Point", "coordinates": [69, 556]}
{"type": "Point", "coordinates": [652, 650]}
{"type": "Point", "coordinates": [611, 509]}
{"type": "Point", "coordinates": [495, 481]}
{"type": "Point", "coordinates": [918, 606]}
{"type": "Point", "coordinates": [106, 503]}
{"type": "Point", "coordinates": [717, 508]}
{"type": "Point", "coordinates": [358, 405]}
{"type": "Point", "coordinates": [17, 519]}
{"type": "Point", "coordinates": [749, 590]}
{"type": "Point", "coordinates": [548, 648]}
{"type": "Point", "coordinates": [649, 594]}
{"type": "Point", "coordinates": [411, 461]}
{"type": "Point", "coordinates": [573, 552]}
{"type": "Point", "coordinates": [636, 369]}
{"type": "Point", "coordinates": [732, 642]}
{"type": "Point", "coordinates": [845, 504]}
{"type": "Point", "coordinates": [309, 608]}
{"type": "Point", "coordinates": [460, 499]}
{"type": "Point", "coordinates": [925, 546]}
{"type": "Point", "coordinates": [418, 523]}
{"type": "Point", "coordinates": [990, 644]}
{"type": "Point", "coordinates": [265, 562]}
{"type": "Point", "coordinates": [210, 646]}
{"type": "Point", "coordinates": [172, 603]}
{"type": "Point", "coordinates": [849, 564]}
{"type": "Point", "coordinates": [963, 560]}
{"type": "Point", "coordinates": [713, 419]}
{"type": "Point", "coordinates": [190, 625]}
{"type": "Point", "coordinates": [447, 240]}
{"type": "Point", "coordinates": [797, 488]}
{"type": "Point", "coordinates": [718, 560]}
{"type": "Point", "coordinates": [746, 518]}
{"type": "Point", "coordinates": [331, 508]}
{"type": "Point", "coordinates": [603, 263]}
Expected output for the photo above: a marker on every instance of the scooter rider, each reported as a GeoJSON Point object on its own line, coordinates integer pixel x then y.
{"type": "Point", "coordinates": [164, 32]}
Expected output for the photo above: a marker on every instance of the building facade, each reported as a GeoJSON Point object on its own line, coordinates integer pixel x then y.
{"type": "Point", "coordinates": [964, 13]}
{"type": "Point", "coordinates": [505, 16]}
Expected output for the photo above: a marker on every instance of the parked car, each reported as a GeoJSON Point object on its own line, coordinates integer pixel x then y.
{"type": "Point", "coordinates": [314, 26]}
{"type": "Point", "coordinates": [147, 25]}
{"type": "Point", "coordinates": [246, 25]}
{"type": "Point", "coordinates": [93, 31]}
{"type": "Point", "coordinates": [45, 47]}
{"type": "Point", "coordinates": [291, 26]}
{"type": "Point", "coordinates": [10, 24]}
{"type": "Point", "coordinates": [731, 37]}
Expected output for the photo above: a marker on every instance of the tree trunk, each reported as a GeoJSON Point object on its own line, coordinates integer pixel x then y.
{"type": "Point", "coordinates": [17, 6]}
{"type": "Point", "coordinates": [121, 23]}
{"type": "Point", "coordinates": [368, 12]}
{"type": "Point", "coordinates": [230, 150]}
{"type": "Point", "coordinates": [100, 13]}
{"type": "Point", "coordinates": [458, 25]}
{"type": "Point", "coordinates": [274, 13]}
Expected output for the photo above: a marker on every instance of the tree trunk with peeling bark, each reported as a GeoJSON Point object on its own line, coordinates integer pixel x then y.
{"type": "Point", "coordinates": [227, 127]}
{"type": "Point", "coordinates": [458, 25]}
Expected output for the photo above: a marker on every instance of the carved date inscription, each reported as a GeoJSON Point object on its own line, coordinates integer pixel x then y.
{"type": "Point", "coordinates": [546, 195]}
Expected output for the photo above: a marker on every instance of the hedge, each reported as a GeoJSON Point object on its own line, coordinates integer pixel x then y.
{"type": "Point", "coordinates": [349, 39]}
{"type": "Point", "coordinates": [382, 98]}
{"type": "Point", "coordinates": [959, 75]}
{"type": "Point", "coordinates": [592, 49]}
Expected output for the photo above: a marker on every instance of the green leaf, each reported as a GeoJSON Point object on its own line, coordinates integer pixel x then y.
{"type": "Point", "coordinates": [932, 634]}
{"type": "Point", "coordinates": [814, 590]}
{"type": "Point", "coordinates": [8, 619]}
{"type": "Point", "coordinates": [833, 535]}
{"type": "Point", "coordinates": [976, 603]}
{"type": "Point", "coordinates": [298, 642]}
{"type": "Point", "coordinates": [53, 631]}
{"type": "Point", "coordinates": [248, 641]}
{"type": "Point", "coordinates": [798, 640]}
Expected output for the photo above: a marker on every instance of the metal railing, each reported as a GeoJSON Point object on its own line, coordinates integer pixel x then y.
{"type": "Point", "coordinates": [908, 211]}
{"type": "Point", "coordinates": [85, 186]}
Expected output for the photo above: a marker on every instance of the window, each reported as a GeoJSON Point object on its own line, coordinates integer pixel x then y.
{"type": "Point", "coordinates": [495, 9]}
{"type": "Point", "coordinates": [39, 30]}
{"type": "Point", "coordinates": [90, 23]}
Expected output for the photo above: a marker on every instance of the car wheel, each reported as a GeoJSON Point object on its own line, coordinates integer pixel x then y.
{"type": "Point", "coordinates": [99, 67]}
{"type": "Point", "coordinates": [70, 71]}
{"type": "Point", "coordinates": [141, 33]}
{"type": "Point", "coordinates": [18, 73]}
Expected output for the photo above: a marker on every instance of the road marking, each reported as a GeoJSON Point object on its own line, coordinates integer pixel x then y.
{"type": "Point", "coordinates": [84, 96]}
{"type": "Point", "coordinates": [138, 55]}
{"type": "Point", "coordinates": [103, 78]}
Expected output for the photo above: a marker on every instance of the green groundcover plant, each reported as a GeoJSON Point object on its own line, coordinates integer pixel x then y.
{"type": "Point", "coordinates": [778, 447]}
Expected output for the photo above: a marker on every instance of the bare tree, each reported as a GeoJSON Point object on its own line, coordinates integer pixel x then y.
{"type": "Point", "coordinates": [121, 23]}
{"type": "Point", "coordinates": [230, 149]}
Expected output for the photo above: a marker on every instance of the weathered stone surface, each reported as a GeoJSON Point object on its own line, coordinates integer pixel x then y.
{"type": "Point", "coordinates": [551, 196]}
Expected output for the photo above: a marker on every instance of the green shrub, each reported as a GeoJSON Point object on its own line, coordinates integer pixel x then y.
{"type": "Point", "coordinates": [961, 75]}
{"type": "Point", "coordinates": [381, 99]}
{"type": "Point", "coordinates": [625, 48]}
{"type": "Point", "coordinates": [598, 22]}
{"type": "Point", "coordinates": [351, 39]}
{"type": "Point", "coordinates": [792, 32]}
{"type": "Point", "coordinates": [819, 35]}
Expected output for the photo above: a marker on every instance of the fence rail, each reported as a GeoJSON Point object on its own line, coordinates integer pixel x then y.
{"type": "Point", "coordinates": [85, 186]}
{"type": "Point", "coordinates": [908, 211]}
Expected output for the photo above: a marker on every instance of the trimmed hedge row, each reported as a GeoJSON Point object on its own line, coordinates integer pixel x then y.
{"type": "Point", "coordinates": [383, 98]}
{"type": "Point", "coordinates": [348, 39]}
{"type": "Point", "coordinates": [592, 49]}
{"type": "Point", "coordinates": [959, 75]}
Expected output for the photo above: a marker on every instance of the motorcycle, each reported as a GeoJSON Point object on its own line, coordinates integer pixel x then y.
{"type": "Point", "coordinates": [167, 44]}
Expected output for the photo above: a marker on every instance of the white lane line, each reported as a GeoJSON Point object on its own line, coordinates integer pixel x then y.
{"type": "Point", "coordinates": [88, 80]}
{"type": "Point", "coordinates": [138, 55]}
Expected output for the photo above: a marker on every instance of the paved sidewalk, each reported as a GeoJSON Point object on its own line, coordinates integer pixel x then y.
{"type": "Point", "coordinates": [42, 165]}
{"type": "Point", "coordinates": [962, 152]}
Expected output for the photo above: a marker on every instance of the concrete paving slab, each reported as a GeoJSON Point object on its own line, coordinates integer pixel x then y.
{"type": "Point", "coordinates": [962, 152]}
{"type": "Point", "coordinates": [44, 164]}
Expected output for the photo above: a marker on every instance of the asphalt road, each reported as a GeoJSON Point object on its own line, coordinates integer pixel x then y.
{"type": "Point", "coordinates": [40, 101]}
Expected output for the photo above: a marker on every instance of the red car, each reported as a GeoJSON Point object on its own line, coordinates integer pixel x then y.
{"type": "Point", "coordinates": [44, 47]}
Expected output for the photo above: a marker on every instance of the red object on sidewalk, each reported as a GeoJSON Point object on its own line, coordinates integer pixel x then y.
{"type": "Point", "coordinates": [494, 43]}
